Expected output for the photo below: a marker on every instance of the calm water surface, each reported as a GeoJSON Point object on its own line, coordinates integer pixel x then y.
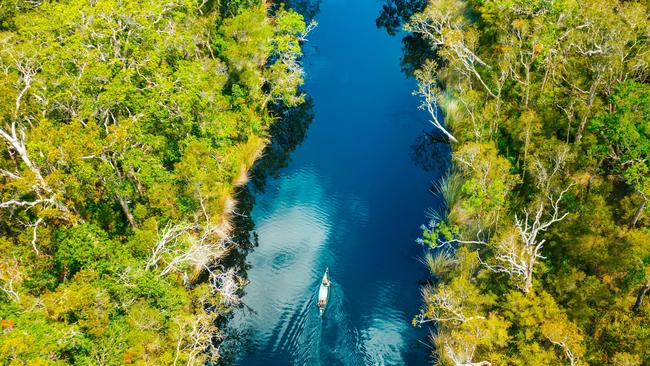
{"type": "Point", "coordinates": [352, 199]}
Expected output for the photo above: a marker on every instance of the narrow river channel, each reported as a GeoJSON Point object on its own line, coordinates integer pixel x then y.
{"type": "Point", "coordinates": [352, 198]}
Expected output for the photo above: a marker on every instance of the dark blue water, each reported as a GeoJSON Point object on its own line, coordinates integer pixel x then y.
{"type": "Point", "coordinates": [352, 199]}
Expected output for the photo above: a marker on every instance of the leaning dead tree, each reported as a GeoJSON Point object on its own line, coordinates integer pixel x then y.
{"type": "Point", "coordinates": [565, 335]}
{"type": "Point", "coordinates": [167, 240]}
{"type": "Point", "coordinates": [441, 25]}
{"type": "Point", "coordinates": [569, 353]}
{"type": "Point", "coordinates": [44, 196]}
{"type": "Point", "coordinates": [196, 334]}
{"type": "Point", "coordinates": [185, 249]}
{"type": "Point", "coordinates": [431, 96]}
{"type": "Point", "coordinates": [15, 139]}
{"type": "Point", "coordinates": [460, 323]}
{"type": "Point", "coordinates": [639, 209]}
{"type": "Point", "coordinates": [518, 248]}
{"type": "Point", "coordinates": [640, 296]}
{"type": "Point", "coordinates": [9, 276]}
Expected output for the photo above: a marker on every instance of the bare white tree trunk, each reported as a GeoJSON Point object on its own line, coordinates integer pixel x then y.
{"type": "Point", "coordinates": [127, 211]}
{"type": "Point", "coordinates": [431, 94]}
{"type": "Point", "coordinates": [10, 275]}
{"type": "Point", "coordinates": [15, 138]}
{"type": "Point", "coordinates": [517, 254]}
{"type": "Point", "coordinates": [460, 350]}
{"type": "Point", "coordinates": [435, 25]}
{"type": "Point", "coordinates": [446, 307]}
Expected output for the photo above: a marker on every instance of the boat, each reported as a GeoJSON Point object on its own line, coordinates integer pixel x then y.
{"type": "Point", "coordinates": [324, 292]}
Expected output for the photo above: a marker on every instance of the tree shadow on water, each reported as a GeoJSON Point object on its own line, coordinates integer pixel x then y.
{"type": "Point", "coordinates": [392, 17]}
{"type": "Point", "coordinates": [308, 8]}
{"type": "Point", "coordinates": [394, 13]}
{"type": "Point", "coordinates": [287, 133]}
{"type": "Point", "coordinates": [431, 152]}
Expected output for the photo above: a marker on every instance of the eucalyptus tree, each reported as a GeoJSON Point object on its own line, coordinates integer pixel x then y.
{"type": "Point", "coordinates": [545, 104]}
{"type": "Point", "coordinates": [125, 128]}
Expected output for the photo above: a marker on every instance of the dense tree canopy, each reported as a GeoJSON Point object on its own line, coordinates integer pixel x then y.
{"type": "Point", "coordinates": [126, 126]}
{"type": "Point", "coordinates": [542, 254]}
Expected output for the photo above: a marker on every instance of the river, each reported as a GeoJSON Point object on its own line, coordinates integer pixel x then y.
{"type": "Point", "coordinates": [352, 198]}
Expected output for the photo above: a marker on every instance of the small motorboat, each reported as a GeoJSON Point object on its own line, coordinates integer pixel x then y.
{"type": "Point", "coordinates": [324, 292]}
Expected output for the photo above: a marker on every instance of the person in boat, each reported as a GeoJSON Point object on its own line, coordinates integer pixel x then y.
{"type": "Point", "coordinates": [326, 282]}
{"type": "Point", "coordinates": [321, 303]}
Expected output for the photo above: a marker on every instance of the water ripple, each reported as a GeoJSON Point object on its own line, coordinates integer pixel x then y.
{"type": "Point", "coordinates": [352, 200]}
{"type": "Point", "coordinates": [292, 234]}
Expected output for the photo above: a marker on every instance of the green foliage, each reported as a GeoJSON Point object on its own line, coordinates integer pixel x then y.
{"type": "Point", "coordinates": [83, 246]}
{"type": "Point", "coordinates": [125, 128]}
{"type": "Point", "coordinates": [438, 264]}
{"type": "Point", "coordinates": [549, 104]}
{"type": "Point", "coordinates": [450, 189]}
{"type": "Point", "coordinates": [623, 134]}
{"type": "Point", "coordinates": [8, 10]}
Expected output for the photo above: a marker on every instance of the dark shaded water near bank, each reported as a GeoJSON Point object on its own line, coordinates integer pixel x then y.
{"type": "Point", "coordinates": [352, 198]}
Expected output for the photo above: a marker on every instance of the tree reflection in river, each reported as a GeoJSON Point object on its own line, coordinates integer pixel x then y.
{"type": "Point", "coordinates": [287, 133]}
{"type": "Point", "coordinates": [308, 8]}
{"type": "Point", "coordinates": [393, 15]}
{"type": "Point", "coordinates": [331, 207]}
{"type": "Point", "coordinates": [431, 152]}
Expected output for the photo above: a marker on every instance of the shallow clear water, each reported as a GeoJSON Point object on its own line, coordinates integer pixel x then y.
{"type": "Point", "coordinates": [352, 199]}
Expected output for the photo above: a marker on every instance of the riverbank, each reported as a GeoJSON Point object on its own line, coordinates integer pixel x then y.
{"type": "Point", "coordinates": [541, 252]}
{"type": "Point", "coordinates": [128, 128]}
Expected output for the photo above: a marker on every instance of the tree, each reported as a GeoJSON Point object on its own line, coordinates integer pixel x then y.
{"type": "Point", "coordinates": [466, 328]}
{"type": "Point", "coordinates": [623, 138]}
{"type": "Point", "coordinates": [546, 104]}
{"type": "Point", "coordinates": [125, 129]}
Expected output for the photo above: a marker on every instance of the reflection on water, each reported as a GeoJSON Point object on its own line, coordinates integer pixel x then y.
{"type": "Point", "coordinates": [431, 152]}
{"type": "Point", "coordinates": [383, 339]}
{"type": "Point", "coordinates": [293, 237]}
{"type": "Point", "coordinates": [288, 132]}
{"type": "Point", "coordinates": [394, 13]}
{"type": "Point", "coordinates": [415, 50]}
{"type": "Point", "coordinates": [283, 323]}
{"type": "Point", "coordinates": [351, 197]}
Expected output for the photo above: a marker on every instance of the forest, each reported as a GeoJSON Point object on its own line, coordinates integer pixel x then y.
{"type": "Point", "coordinates": [126, 127]}
{"type": "Point", "coordinates": [541, 255]}
{"type": "Point", "coordinates": [129, 128]}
